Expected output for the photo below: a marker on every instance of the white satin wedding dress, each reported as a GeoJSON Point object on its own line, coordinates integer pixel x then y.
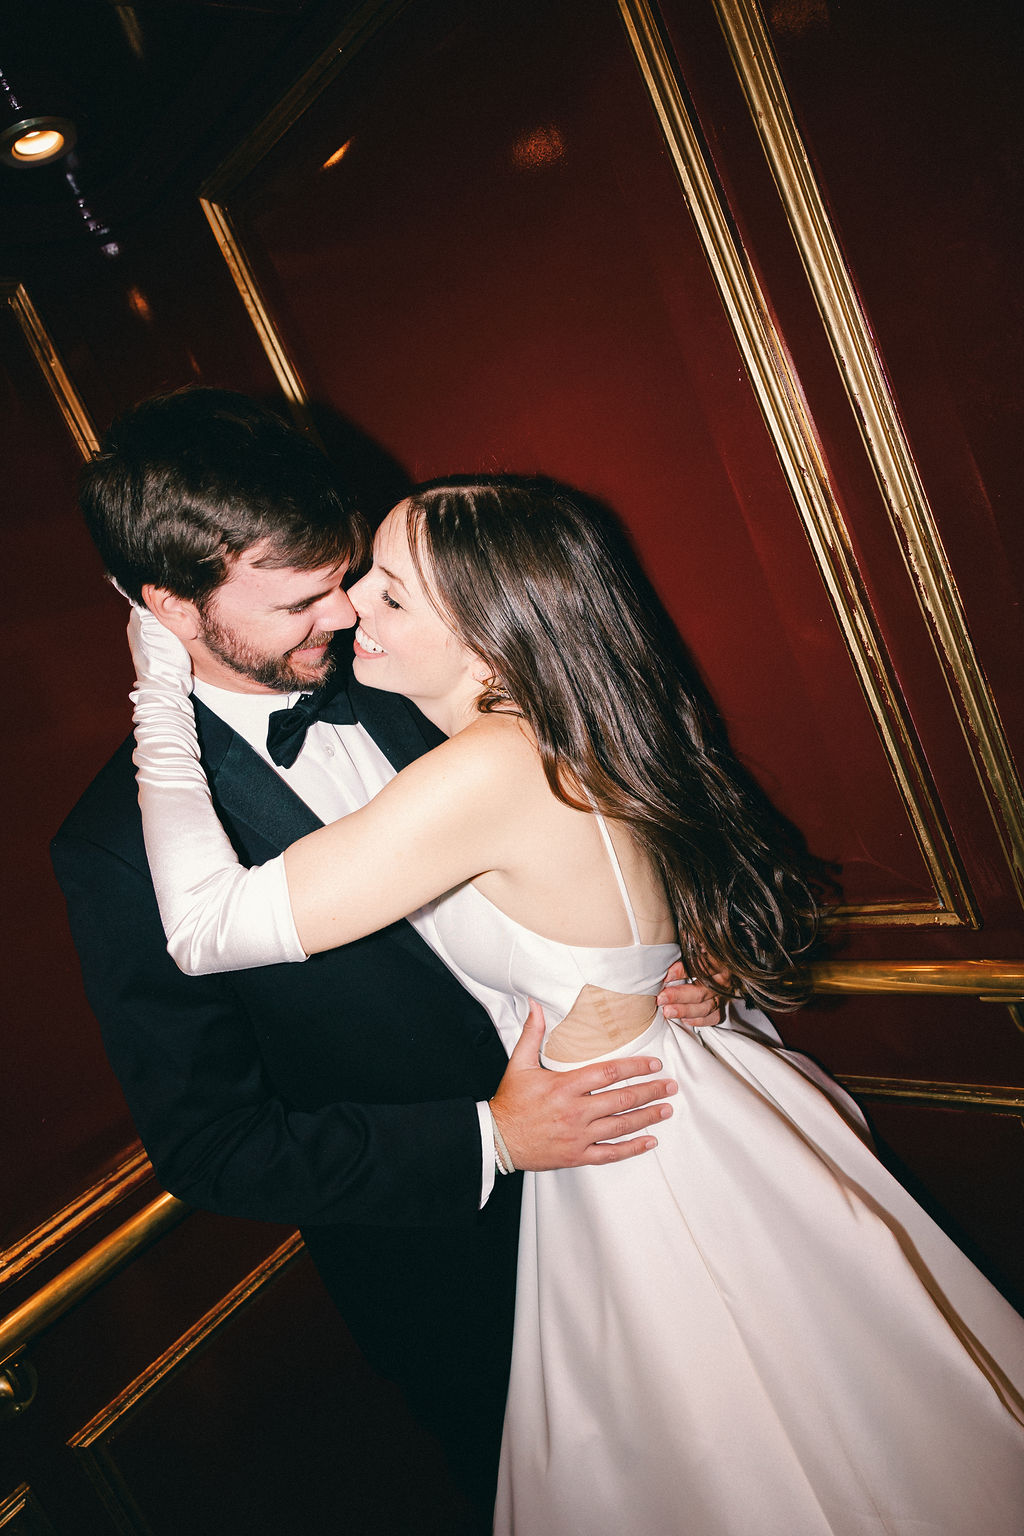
{"type": "Point", "coordinates": [753, 1330]}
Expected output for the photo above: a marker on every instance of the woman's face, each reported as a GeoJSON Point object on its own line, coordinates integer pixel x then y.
{"type": "Point", "coordinates": [401, 643]}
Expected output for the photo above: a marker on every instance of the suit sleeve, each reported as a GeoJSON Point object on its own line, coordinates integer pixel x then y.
{"type": "Point", "coordinates": [185, 1052]}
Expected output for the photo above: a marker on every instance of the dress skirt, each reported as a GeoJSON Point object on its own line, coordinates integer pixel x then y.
{"type": "Point", "coordinates": [754, 1330]}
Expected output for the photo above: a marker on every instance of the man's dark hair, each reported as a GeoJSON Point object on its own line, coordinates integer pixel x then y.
{"type": "Point", "coordinates": [185, 483]}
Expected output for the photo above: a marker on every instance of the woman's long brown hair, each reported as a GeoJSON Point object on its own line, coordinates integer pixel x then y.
{"type": "Point", "coordinates": [542, 585]}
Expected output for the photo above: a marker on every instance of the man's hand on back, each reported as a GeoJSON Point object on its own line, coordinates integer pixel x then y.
{"type": "Point", "coordinates": [565, 1119]}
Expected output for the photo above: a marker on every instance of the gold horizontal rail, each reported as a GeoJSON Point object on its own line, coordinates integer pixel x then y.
{"type": "Point", "coordinates": [994, 980]}
{"type": "Point", "coordinates": [986, 1096]}
{"type": "Point", "coordinates": [85, 1274]}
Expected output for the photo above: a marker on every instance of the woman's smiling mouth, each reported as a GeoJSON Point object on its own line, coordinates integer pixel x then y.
{"type": "Point", "coordinates": [365, 646]}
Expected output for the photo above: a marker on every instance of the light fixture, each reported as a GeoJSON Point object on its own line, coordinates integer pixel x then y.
{"type": "Point", "coordinates": [37, 140]}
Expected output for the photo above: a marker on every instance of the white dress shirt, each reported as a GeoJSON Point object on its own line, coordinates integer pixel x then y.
{"type": "Point", "coordinates": [338, 769]}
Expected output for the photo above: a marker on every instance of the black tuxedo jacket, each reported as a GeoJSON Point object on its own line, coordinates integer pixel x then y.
{"type": "Point", "coordinates": [338, 1095]}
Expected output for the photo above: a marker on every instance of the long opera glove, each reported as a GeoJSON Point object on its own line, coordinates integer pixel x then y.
{"type": "Point", "coordinates": [217, 915]}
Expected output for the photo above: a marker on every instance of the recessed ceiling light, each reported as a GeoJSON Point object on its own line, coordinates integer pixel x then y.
{"type": "Point", "coordinates": [37, 140]}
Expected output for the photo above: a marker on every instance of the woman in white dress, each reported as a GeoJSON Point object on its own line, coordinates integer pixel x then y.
{"type": "Point", "coordinates": [752, 1330]}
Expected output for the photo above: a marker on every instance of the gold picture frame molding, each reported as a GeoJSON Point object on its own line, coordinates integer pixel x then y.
{"type": "Point", "coordinates": [96, 1457]}
{"type": "Point", "coordinates": [776, 388]}
{"type": "Point", "coordinates": [357, 31]}
{"type": "Point", "coordinates": [43, 350]}
{"type": "Point", "coordinates": [878, 420]}
{"type": "Point", "coordinates": [792, 431]}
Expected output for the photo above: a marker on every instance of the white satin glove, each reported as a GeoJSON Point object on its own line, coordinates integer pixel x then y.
{"type": "Point", "coordinates": [217, 916]}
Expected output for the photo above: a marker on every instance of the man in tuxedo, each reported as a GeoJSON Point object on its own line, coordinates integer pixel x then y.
{"type": "Point", "coordinates": [350, 1095]}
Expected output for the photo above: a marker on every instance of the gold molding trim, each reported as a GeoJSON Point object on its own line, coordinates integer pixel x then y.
{"type": "Point", "coordinates": [893, 914]}
{"type": "Point", "coordinates": [245, 280]}
{"type": "Point", "coordinates": [72, 407]}
{"type": "Point", "coordinates": [781, 401]}
{"type": "Point", "coordinates": [879, 423]}
{"type": "Point", "coordinates": [173, 1357]}
{"type": "Point", "coordinates": [75, 1282]}
{"type": "Point", "coordinates": [24, 1502]}
{"type": "Point", "coordinates": [244, 159]}
{"type": "Point", "coordinates": [14, 1503]}
{"type": "Point", "coordinates": [285, 112]}
{"type": "Point", "coordinates": [98, 1459]}
{"type": "Point", "coordinates": [990, 981]}
{"type": "Point", "coordinates": [983, 1096]}
{"type": "Point", "coordinates": [66, 1224]}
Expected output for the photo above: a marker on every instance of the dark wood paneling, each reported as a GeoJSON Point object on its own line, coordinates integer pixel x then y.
{"type": "Point", "coordinates": [62, 637]}
{"type": "Point", "coordinates": [159, 1411]}
{"type": "Point", "coordinates": [501, 272]}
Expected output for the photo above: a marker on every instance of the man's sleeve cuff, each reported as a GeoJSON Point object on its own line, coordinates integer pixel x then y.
{"type": "Point", "coordinates": [487, 1169]}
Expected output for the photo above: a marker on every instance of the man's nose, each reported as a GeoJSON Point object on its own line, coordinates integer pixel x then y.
{"type": "Point", "coordinates": [338, 612]}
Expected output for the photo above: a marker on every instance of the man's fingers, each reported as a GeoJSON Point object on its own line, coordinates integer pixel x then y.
{"type": "Point", "coordinates": [620, 1101]}
{"type": "Point", "coordinates": [554, 1119]}
{"type": "Point", "coordinates": [618, 1151]}
{"type": "Point", "coordinates": [628, 1124]}
{"type": "Point", "coordinates": [605, 1074]}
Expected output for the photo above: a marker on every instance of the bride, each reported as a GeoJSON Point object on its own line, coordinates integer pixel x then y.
{"type": "Point", "coordinates": [753, 1330]}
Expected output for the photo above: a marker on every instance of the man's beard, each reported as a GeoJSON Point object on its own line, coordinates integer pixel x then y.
{"type": "Point", "coordinates": [272, 671]}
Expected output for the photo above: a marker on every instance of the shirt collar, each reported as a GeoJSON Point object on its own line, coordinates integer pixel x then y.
{"type": "Point", "coordinates": [246, 713]}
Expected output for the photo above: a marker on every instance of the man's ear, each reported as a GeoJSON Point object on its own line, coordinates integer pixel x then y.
{"type": "Point", "coordinates": [178, 614]}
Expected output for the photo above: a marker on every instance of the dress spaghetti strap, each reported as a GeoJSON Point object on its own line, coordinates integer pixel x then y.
{"type": "Point", "coordinates": [617, 870]}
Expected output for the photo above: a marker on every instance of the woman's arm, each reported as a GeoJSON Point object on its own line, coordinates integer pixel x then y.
{"type": "Point", "coordinates": [445, 819]}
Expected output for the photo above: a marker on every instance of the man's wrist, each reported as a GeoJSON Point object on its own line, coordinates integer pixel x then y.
{"type": "Point", "coordinates": [502, 1157]}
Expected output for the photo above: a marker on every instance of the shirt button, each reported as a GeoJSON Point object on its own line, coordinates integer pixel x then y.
{"type": "Point", "coordinates": [329, 751]}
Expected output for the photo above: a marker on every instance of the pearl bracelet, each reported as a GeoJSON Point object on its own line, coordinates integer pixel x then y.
{"type": "Point", "coordinates": [502, 1157]}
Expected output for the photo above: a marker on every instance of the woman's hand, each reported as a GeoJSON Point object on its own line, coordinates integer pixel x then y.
{"type": "Point", "coordinates": [217, 916]}
{"type": "Point", "coordinates": [160, 658]}
{"type": "Point", "coordinates": [684, 1001]}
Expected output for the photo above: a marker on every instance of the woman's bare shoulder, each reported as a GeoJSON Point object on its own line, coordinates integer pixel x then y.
{"type": "Point", "coordinates": [496, 744]}
{"type": "Point", "coordinates": [493, 756]}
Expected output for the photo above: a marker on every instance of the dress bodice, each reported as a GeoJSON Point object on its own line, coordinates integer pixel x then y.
{"type": "Point", "coordinates": [518, 962]}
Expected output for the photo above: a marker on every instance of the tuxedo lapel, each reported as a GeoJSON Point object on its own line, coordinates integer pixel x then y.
{"type": "Point", "coordinates": [263, 815]}
{"type": "Point", "coordinates": [256, 799]}
{"type": "Point", "coordinates": [398, 728]}
{"type": "Point", "coordinates": [264, 812]}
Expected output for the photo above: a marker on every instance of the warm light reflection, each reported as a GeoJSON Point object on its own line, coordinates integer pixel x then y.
{"type": "Point", "coordinates": [131, 29]}
{"type": "Point", "coordinates": [139, 303]}
{"type": "Point", "coordinates": [38, 145]}
{"type": "Point", "coordinates": [338, 154]}
{"type": "Point", "coordinates": [541, 147]}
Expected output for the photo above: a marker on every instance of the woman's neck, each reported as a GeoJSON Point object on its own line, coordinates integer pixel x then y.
{"type": "Point", "coordinates": [452, 713]}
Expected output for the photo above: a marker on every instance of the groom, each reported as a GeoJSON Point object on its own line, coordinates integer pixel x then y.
{"type": "Point", "coordinates": [348, 1096]}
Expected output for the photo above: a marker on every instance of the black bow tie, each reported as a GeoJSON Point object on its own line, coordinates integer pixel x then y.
{"type": "Point", "coordinates": [286, 728]}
